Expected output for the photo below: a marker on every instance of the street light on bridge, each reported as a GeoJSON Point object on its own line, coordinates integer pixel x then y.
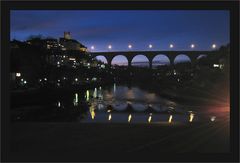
{"type": "Point", "coordinates": [171, 45]}
{"type": "Point", "coordinates": [214, 46]}
{"type": "Point", "coordinates": [109, 47]}
{"type": "Point", "coordinates": [130, 46]}
{"type": "Point", "coordinates": [92, 47]}
{"type": "Point", "coordinates": [192, 46]}
{"type": "Point", "coordinates": [150, 46]}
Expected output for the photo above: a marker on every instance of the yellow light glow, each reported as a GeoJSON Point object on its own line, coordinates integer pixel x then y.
{"type": "Point", "coordinates": [110, 117]}
{"type": "Point", "coordinates": [170, 119]}
{"type": "Point", "coordinates": [129, 118]}
{"type": "Point", "coordinates": [92, 112]}
{"type": "Point", "coordinates": [191, 117]}
{"type": "Point", "coordinates": [149, 118]}
{"type": "Point", "coordinates": [87, 95]}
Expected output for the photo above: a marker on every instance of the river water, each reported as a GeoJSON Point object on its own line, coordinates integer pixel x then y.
{"type": "Point", "coordinates": [113, 104]}
{"type": "Point", "coordinates": [124, 104]}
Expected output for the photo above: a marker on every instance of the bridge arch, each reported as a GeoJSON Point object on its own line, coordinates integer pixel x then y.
{"type": "Point", "coordinates": [101, 58]}
{"type": "Point", "coordinates": [201, 56]}
{"type": "Point", "coordinates": [201, 59]}
{"type": "Point", "coordinates": [160, 60]}
{"type": "Point", "coordinates": [182, 58]}
{"type": "Point", "coordinates": [119, 60]}
{"type": "Point", "coordinates": [140, 60]}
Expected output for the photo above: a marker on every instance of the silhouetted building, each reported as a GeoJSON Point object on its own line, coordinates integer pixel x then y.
{"type": "Point", "coordinates": [67, 43]}
{"type": "Point", "coordinates": [67, 35]}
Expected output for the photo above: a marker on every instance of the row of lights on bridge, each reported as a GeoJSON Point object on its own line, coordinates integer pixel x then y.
{"type": "Point", "coordinates": [150, 46]}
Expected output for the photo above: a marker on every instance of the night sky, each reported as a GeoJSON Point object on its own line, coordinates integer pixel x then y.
{"type": "Point", "coordinates": [121, 28]}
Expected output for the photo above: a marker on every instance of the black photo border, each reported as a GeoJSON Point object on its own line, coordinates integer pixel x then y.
{"type": "Point", "coordinates": [232, 6]}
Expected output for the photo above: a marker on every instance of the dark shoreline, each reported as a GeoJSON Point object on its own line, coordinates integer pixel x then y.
{"type": "Point", "coordinates": [73, 141]}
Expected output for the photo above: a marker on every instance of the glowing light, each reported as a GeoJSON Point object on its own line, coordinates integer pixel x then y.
{"type": "Point", "coordinates": [174, 72]}
{"type": "Point", "coordinates": [87, 95]}
{"type": "Point", "coordinates": [150, 118]}
{"type": "Point", "coordinates": [92, 112]}
{"type": "Point", "coordinates": [213, 118]}
{"type": "Point", "coordinates": [130, 46]}
{"type": "Point", "coordinates": [214, 46]}
{"type": "Point", "coordinates": [75, 101]}
{"type": "Point", "coordinates": [18, 74]}
{"type": "Point", "coordinates": [92, 47]}
{"type": "Point", "coordinates": [191, 117]}
{"type": "Point", "coordinates": [76, 97]}
{"type": "Point", "coordinates": [95, 93]}
{"type": "Point", "coordinates": [59, 104]}
{"type": "Point", "coordinates": [45, 79]}
{"type": "Point", "coordinates": [72, 59]}
{"type": "Point", "coordinates": [216, 65]}
{"type": "Point", "coordinates": [129, 118]}
{"type": "Point", "coordinates": [109, 111]}
{"type": "Point", "coordinates": [171, 46]}
{"type": "Point", "coordinates": [192, 46]}
{"type": "Point", "coordinates": [150, 46]}
{"type": "Point", "coordinates": [110, 117]}
{"type": "Point", "coordinates": [22, 80]}
{"type": "Point", "coordinates": [25, 82]}
{"type": "Point", "coordinates": [76, 79]}
{"type": "Point", "coordinates": [170, 119]}
{"type": "Point", "coordinates": [109, 46]}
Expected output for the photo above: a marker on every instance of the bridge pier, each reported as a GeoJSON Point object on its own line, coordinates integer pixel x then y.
{"type": "Point", "coordinates": [150, 64]}
{"type": "Point", "coordinates": [129, 63]}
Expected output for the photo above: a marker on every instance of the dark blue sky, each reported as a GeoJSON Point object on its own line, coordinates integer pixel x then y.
{"type": "Point", "coordinates": [120, 28]}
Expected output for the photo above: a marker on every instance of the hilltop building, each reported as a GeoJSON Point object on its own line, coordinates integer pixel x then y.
{"type": "Point", "coordinates": [66, 43]}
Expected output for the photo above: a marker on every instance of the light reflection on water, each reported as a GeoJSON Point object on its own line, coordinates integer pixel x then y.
{"type": "Point", "coordinates": [122, 104]}
{"type": "Point", "coordinates": [119, 104]}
